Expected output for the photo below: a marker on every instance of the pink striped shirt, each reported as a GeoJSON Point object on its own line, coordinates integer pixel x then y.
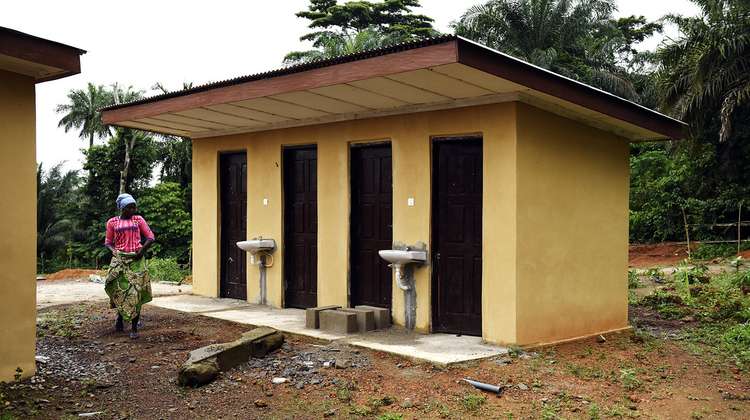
{"type": "Point", "coordinates": [125, 234]}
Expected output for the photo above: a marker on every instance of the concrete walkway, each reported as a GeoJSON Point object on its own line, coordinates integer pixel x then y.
{"type": "Point", "coordinates": [60, 292]}
{"type": "Point", "coordinates": [440, 349]}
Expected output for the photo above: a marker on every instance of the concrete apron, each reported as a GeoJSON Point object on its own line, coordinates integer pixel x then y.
{"type": "Point", "coordinates": [439, 349]}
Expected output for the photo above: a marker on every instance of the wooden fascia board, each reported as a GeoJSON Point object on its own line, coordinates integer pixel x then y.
{"type": "Point", "coordinates": [433, 55]}
{"type": "Point", "coordinates": [506, 67]}
{"type": "Point", "coordinates": [36, 50]}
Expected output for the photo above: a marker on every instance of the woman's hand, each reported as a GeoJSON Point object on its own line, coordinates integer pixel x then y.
{"type": "Point", "coordinates": [146, 245]}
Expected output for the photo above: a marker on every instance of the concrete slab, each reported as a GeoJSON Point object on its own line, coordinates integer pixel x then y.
{"type": "Point", "coordinates": [288, 320]}
{"type": "Point", "coordinates": [441, 349]}
{"type": "Point", "coordinates": [199, 304]}
{"type": "Point", "coordinates": [51, 293]}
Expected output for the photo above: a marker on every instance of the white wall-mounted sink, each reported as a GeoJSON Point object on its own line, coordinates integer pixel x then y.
{"type": "Point", "coordinates": [254, 246]}
{"type": "Point", "coordinates": [401, 257]}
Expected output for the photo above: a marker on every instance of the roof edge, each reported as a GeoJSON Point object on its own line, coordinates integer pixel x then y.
{"type": "Point", "coordinates": [510, 68]}
{"type": "Point", "coordinates": [34, 49]}
{"type": "Point", "coordinates": [298, 68]}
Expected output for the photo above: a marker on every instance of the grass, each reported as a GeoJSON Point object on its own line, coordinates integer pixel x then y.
{"type": "Point", "coordinates": [629, 379]}
{"type": "Point", "coordinates": [717, 304]}
{"type": "Point", "coordinates": [594, 412]}
{"type": "Point", "coordinates": [712, 251]}
{"type": "Point", "coordinates": [436, 406]}
{"type": "Point", "coordinates": [390, 416]}
{"type": "Point", "coordinates": [472, 402]}
{"type": "Point", "coordinates": [584, 372]}
{"type": "Point", "coordinates": [61, 323]}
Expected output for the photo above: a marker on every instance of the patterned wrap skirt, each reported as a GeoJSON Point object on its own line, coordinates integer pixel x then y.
{"type": "Point", "coordinates": [128, 285]}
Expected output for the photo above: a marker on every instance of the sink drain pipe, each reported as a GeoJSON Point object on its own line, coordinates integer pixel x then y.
{"type": "Point", "coordinates": [262, 263]}
{"type": "Point", "coordinates": [262, 269]}
{"type": "Point", "coordinates": [405, 281]}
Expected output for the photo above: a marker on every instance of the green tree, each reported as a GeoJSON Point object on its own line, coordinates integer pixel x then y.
{"type": "Point", "coordinates": [56, 193]}
{"type": "Point", "coordinates": [175, 153]}
{"type": "Point", "coordinates": [708, 67]}
{"type": "Point", "coordinates": [103, 166]}
{"type": "Point", "coordinates": [359, 25]}
{"type": "Point", "coordinates": [130, 137]}
{"type": "Point", "coordinates": [336, 44]}
{"type": "Point", "coordinates": [176, 157]}
{"type": "Point", "coordinates": [82, 112]}
{"type": "Point", "coordinates": [165, 207]}
{"type": "Point", "coordinates": [702, 79]}
{"type": "Point", "coordinates": [576, 38]}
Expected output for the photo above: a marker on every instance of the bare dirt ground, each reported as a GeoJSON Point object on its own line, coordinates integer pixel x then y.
{"type": "Point", "coordinates": [73, 274]}
{"type": "Point", "coordinates": [85, 367]}
{"type": "Point", "coordinates": [652, 255]}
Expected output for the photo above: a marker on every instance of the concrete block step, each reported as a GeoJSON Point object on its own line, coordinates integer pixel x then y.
{"type": "Point", "coordinates": [382, 316]}
{"type": "Point", "coordinates": [312, 315]}
{"type": "Point", "coordinates": [338, 321]}
{"type": "Point", "coordinates": [365, 318]}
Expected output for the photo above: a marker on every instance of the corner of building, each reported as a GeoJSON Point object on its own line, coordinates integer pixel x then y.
{"type": "Point", "coordinates": [572, 228]}
{"type": "Point", "coordinates": [18, 224]}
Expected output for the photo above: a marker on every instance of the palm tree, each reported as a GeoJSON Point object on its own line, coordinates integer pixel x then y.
{"type": "Point", "coordinates": [82, 112]}
{"type": "Point", "coordinates": [708, 66]}
{"type": "Point", "coordinates": [576, 38]}
{"type": "Point", "coordinates": [54, 191]}
{"type": "Point", "coordinates": [163, 89]}
{"type": "Point", "coordinates": [120, 95]}
{"type": "Point", "coordinates": [335, 44]}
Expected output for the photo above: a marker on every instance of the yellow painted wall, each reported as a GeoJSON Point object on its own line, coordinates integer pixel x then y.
{"type": "Point", "coordinates": [572, 232]}
{"type": "Point", "coordinates": [410, 136]}
{"type": "Point", "coordinates": [18, 225]}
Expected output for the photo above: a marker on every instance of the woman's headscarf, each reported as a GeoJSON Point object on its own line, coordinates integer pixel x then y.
{"type": "Point", "coordinates": [123, 200]}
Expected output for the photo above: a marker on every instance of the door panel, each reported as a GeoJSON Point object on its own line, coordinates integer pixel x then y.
{"type": "Point", "coordinates": [457, 236]}
{"type": "Point", "coordinates": [233, 181]}
{"type": "Point", "coordinates": [300, 227]}
{"type": "Point", "coordinates": [371, 225]}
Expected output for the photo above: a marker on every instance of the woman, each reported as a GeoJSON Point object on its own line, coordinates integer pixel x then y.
{"type": "Point", "coordinates": [127, 284]}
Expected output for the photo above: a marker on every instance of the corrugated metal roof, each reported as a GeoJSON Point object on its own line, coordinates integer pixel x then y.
{"type": "Point", "coordinates": [14, 32]}
{"type": "Point", "coordinates": [292, 69]}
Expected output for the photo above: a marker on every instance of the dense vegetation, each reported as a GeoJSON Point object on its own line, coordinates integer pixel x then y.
{"type": "Point", "coordinates": [701, 76]}
{"type": "Point", "coordinates": [340, 29]}
{"type": "Point", "coordinates": [716, 307]}
{"type": "Point", "coordinates": [74, 206]}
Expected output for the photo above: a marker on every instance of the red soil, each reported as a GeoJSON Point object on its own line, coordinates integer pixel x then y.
{"type": "Point", "coordinates": [650, 255]}
{"type": "Point", "coordinates": [72, 274]}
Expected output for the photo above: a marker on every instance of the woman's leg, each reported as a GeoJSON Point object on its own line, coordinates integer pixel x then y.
{"type": "Point", "coordinates": [134, 327]}
{"type": "Point", "coordinates": [119, 325]}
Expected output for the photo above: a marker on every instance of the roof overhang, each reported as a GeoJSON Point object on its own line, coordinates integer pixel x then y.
{"type": "Point", "coordinates": [441, 73]}
{"type": "Point", "coordinates": [36, 57]}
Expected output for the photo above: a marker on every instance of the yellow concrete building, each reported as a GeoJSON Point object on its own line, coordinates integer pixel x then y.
{"type": "Point", "coordinates": [513, 178]}
{"type": "Point", "coordinates": [25, 60]}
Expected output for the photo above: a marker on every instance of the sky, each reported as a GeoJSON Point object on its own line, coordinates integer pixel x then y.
{"type": "Point", "coordinates": [138, 43]}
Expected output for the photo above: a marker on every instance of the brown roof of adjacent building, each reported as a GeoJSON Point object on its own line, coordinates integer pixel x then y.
{"type": "Point", "coordinates": [37, 57]}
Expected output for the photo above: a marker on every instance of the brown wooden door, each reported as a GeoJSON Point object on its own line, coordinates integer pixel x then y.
{"type": "Point", "coordinates": [301, 227]}
{"type": "Point", "coordinates": [457, 236]}
{"type": "Point", "coordinates": [371, 225]}
{"type": "Point", "coordinates": [233, 182]}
